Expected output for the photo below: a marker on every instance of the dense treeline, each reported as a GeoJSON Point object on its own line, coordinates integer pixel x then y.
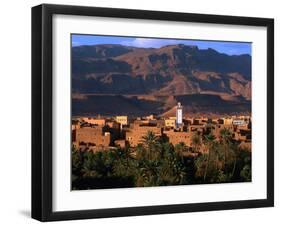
{"type": "Point", "coordinates": [156, 162]}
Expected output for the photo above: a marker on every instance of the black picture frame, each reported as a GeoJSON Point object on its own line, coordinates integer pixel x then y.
{"type": "Point", "coordinates": [42, 111]}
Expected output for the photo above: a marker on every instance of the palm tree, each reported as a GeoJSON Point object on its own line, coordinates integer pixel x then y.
{"type": "Point", "coordinates": [77, 161]}
{"type": "Point", "coordinates": [151, 143]}
{"type": "Point", "coordinates": [226, 138]}
{"type": "Point", "coordinates": [88, 165]}
{"type": "Point", "coordinates": [180, 148]}
{"type": "Point", "coordinates": [209, 142]}
{"type": "Point", "coordinates": [147, 174]}
{"type": "Point", "coordinates": [150, 138]}
{"type": "Point", "coordinates": [200, 164]}
{"type": "Point", "coordinates": [234, 152]}
{"type": "Point", "coordinates": [127, 153]}
{"type": "Point", "coordinates": [124, 163]}
{"type": "Point", "coordinates": [196, 141]}
{"type": "Point", "coordinates": [226, 134]}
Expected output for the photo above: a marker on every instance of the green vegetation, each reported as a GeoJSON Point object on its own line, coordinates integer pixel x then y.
{"type": "Point", "coordinates": [155, 162]}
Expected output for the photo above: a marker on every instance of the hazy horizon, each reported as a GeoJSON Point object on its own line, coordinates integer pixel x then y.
{"type": "Point", "coordinates": [226, 47]}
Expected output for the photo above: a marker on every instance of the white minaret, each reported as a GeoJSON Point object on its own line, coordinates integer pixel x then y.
{"type": "Point", "coordinates": [179, 115]}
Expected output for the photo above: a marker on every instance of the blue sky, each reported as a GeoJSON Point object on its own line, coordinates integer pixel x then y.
{"type": "Point", "coordinates": [230, 48]}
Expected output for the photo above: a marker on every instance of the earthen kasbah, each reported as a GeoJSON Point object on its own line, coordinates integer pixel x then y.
{"type": "Point", "coordinates": [106, 133]}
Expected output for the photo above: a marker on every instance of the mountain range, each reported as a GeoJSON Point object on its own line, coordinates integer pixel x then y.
{"type": "Point", "coordinates": [114, 79]}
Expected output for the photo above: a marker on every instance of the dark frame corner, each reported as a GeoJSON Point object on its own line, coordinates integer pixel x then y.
{"type": "Point", "coordinates": [42, 111]}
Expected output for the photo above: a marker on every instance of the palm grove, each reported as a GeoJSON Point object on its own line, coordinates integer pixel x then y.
{"type": "Point", "coordinates": [156, 162]}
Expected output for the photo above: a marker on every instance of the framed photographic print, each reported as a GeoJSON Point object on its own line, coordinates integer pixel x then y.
{"type": "Point", "coordinates": [147, 112]}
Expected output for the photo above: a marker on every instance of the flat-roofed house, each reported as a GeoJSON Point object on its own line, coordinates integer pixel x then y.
{"type": "Point", "coordinates": [94, 121]}
{"type": "Point", "coordinates": [92, 136]}
{"type": "Point", "coordinates": [176, 137]}
{"type": "Point", "coordinates": [122, 119]}
{"type": "Point", "coordinates": [170, 122]}
{"type": "Point", "coordinates": [137, 130]}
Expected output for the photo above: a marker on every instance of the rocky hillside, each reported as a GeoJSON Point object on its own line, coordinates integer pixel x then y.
{"type": "Point", "coordinates": [151, 80]}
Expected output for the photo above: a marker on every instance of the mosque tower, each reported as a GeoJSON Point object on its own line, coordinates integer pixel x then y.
{"type": "Point", "coordinates": [179, 114]}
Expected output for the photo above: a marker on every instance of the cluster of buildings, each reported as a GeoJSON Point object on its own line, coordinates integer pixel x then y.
{"type": "Point", "coordinates": [103, 133]}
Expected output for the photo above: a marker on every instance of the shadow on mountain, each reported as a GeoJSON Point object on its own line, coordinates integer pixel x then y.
{"type": "Point", "coordinates": [123, 105]}
{"type": "Point", "coordinates": [114, 105]}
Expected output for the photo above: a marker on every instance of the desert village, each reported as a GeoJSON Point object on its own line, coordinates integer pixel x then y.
{"type": "Point", "coordinates": [104, 133]}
